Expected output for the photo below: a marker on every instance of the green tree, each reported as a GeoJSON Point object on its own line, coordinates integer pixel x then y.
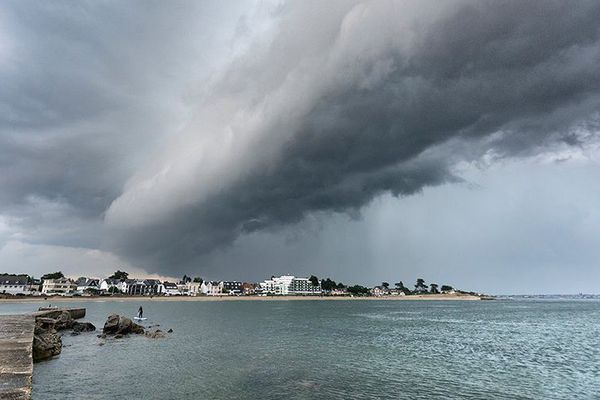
{"type": "Point", "coordinates": [421, 287]}
{"type": "Point", "coordinates": [385, 285]}
{"type": "Point", "coordinates": [328, 285]}
{"type": "Point", "coordinates": [446, 288]}
{"type": "Point", "coordinates": [198, 280]}
{"type": "Point", "coordinates": [113, 289]}
{"type": "Point", "coordinates": [314, 280]}
{"type": "Point", "coordinates": [358, 290]}
{"type": "Point", "coordinates": [186, 279]}
{"type": "Point", "coordinates": [53, 275]}
{"type": "Point", "coordinates": [340, 286]}
{"type": "Point", "coordinates": [401, 288]}
{"type": "Point", "coordinates": [433, 288]}
{"type": "Point", "coordinates": [120, 275]}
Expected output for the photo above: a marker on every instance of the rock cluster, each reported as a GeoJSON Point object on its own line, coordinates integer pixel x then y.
{"type": "Point", "coordinates": [118, 326]}
{"type": "Point", "coordinates": [47, 342]}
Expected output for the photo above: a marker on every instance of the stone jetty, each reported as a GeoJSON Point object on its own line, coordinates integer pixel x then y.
{"type": "Point", "coordinates": [16, 350]}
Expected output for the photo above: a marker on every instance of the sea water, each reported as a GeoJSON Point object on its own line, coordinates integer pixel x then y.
{"type": "Point", "coordinates": [521, 349]}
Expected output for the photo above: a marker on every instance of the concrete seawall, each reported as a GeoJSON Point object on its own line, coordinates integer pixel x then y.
{"type": "Point", "coordinates": [16, 361]}
{"type": "Point", "coordinates": [16, 347]}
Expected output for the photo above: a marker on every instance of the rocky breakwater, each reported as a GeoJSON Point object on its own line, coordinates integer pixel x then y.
{"type": "Point", "coordinates": [47, 337]}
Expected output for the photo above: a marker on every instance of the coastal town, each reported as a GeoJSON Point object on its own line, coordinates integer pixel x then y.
{"type": "Point", "coordinates": [120, 284]}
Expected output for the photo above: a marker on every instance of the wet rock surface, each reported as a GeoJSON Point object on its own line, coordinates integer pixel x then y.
{"type": "Point", "coordinates": [120, 325]}
{"type": "Point", "coordinates": [46, 342]}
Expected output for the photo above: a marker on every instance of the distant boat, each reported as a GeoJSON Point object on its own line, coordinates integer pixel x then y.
{"type": "Point", "coordinates": [140, 318]}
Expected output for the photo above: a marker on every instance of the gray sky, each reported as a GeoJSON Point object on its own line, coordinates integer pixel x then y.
{"type": "Point", "coordinates": [362, 140]}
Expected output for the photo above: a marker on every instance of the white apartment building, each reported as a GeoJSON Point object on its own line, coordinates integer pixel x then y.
{"type": "Point", "coordinates": [304, 286]}
{"type": "Point", "coordinates": [279, 286]}
{"type": "Point", "coordinates": [60, 286]}
{"type": "Point", "coordinates": [289, 285]}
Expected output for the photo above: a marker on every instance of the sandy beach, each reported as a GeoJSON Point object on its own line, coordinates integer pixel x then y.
{"type": "Point", "coordinates": [59, 299]}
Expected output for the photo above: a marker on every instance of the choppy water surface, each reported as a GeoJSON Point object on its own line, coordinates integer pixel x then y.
{"type": "Point", "coordinates": [335, 350]}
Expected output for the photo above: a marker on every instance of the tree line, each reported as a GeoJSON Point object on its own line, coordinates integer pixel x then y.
{"type": "Point", "coordinates": [421, 287]}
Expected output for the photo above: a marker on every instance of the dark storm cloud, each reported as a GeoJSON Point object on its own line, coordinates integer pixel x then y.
{"type": "Point", "coordinates": [289, 109]}
{"type": "Point", "coordinates": [484, 77]}
{"type": "Point", "coordinates": [86, 91]}
{"type": "Point", "coordinates": [54, 140]}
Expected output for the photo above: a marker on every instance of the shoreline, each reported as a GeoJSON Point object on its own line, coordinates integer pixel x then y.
{"type": "Point", "coordinates": [63, 299]}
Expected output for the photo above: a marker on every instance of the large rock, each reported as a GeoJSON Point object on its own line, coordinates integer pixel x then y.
{"type": "Point", "coordinates": [83, 327]}
{"type": "Point", "coordinates": [46, 343]}
{"type": "Point", "coordinates": [112, 324]}
{"type": "Point", "coordinates": [118, 324]}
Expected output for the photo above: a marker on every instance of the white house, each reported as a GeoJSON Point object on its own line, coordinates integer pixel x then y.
{"type": "Point", "coordinates": [193, 289]}
{"type": "Point", "coordinates": [108, 283]}
{"type": "Point", "coordinates": [124, 285]}
{"type": "Point", "coordinates": [183, 288]}
{"type": "Point", "coordinates": [62, 286]}
{"type": "Point", "coordinates": [15, 284]}
{"type": "Point", "coordinates": [379, 291]}
{"type": "Point", "coordinates": [144, 287]}
{"type": "Point", "coordinates": [170, 289]}
{"type": "Point", "coordinates": [87, 284]}
{"type": "Point", "coordinates": [212, 288]}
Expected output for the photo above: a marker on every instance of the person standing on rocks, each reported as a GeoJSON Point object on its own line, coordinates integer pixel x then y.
{"type": "Point", "coordinates": [140, 312]}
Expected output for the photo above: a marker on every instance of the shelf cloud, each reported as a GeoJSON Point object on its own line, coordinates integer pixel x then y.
{"type": "Point", "coordinates": [163, 132]}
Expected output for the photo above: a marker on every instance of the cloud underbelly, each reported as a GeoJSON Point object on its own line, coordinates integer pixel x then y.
{"type": "Point", "coordinates": [329, 122]}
